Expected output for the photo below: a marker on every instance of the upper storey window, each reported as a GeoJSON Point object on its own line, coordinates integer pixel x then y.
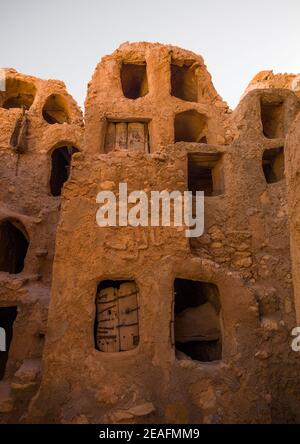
{"type": "Point", "coordinates": [55, 110]}
{"type": "Point", "coordinates": [205, 173]}
{"type": "Point", "coordinates": [190, 126]}
{"type": "Point", "coordinates": [18, 94]}
{"type": "Point", "coordinates": [272, 118]}
{"type": "Point", "coordinates": [134, 80]}
{"type": "Point", "coordinates": [184, 81]}
{"type": "Point", "coordinates": [273, 164]}
{"type": "Point", "coordinates": [61, 164]}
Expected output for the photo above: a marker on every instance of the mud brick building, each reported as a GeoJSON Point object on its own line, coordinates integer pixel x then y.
{"type": "Point", "coordinates": [142, 324]}
{"type": "Point", "coordinates": [38, 120]}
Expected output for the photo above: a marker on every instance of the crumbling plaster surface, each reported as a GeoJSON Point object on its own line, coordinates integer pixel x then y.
{"type": "Point", "coordinates": [244, 251]}
{"type": "Point", "coordinates": [25, 197]}
{"type": "Point", "coordinates": [292, 173]}
{"type": "Point", "coordinates": [267, 79]}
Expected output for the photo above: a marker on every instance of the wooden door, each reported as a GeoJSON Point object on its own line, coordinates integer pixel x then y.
{"type": "Point", "coordinates": [128, 316]}
{"type": "Point", "coordinates": [117, 318]}
{"type": "Point", "coordinates": [107, 335]}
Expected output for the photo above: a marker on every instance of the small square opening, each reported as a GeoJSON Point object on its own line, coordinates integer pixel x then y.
{"type": "Point", "coordinates": [190, 126]}
{"type": "Point", "coordinates": [17, 94]}
{"type": "Point", "coordinates": [273, 164]}
{"type": "Point", "coordinates": [205, 173]}
{"type": "Point", "coordinates": [134, 80]}
{"type": "Point", "coordinates": [55, 110]}
{"type": "Point", "coordinates": [197, 328]}
{"type": "Point", "coordinates": [184, 82]}
{"type": "Point", "coordinates": [272, 118]}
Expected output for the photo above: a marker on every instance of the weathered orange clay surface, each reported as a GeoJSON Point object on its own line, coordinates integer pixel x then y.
{"type": "Point", "coordinates": [143, 325]}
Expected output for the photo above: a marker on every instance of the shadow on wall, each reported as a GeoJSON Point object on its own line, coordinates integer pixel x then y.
{"type": "Point", "coordinates": [14, 243]}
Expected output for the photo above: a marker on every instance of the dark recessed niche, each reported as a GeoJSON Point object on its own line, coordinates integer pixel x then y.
{"type": "Point", "coordinates": [190, 126]}
{"type": "Point", "coordinates": [18, 94]}
{"type": "Point", "coordinates": [273, 164]}
{"type": "Point", "coordinates": [14, 244]}
{"type": "Point", "coordinates": [272, 118]}
{"type": "Point", "coordinates": [184, 82]}
{"type": "Point", "coordinates": [205, 173]}
{"type": "Point", "coordinates": [61, 158]}
{"type": "Point", "coordinates": [197, 329]}
{"type": "Point", "coordinates": [134, 80]}
{"type": "Point", "coordinates": [55, 110]}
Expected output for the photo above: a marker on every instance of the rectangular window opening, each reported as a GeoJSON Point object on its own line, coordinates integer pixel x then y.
{"type": "Point", "coordinates": [273, 164]}
{"type": "Point", "coordinates": [197, 330]}
{"type": "Point", "coordinates": [184, 83]}
{"type": "Point", "coordinates": [205, 173]}
{"type": "Point", "coordinates": [272, 118]}
{"type": "Point", "coordinates": [134, 80]}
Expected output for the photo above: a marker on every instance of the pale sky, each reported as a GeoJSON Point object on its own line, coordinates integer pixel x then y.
{"type": "Point", "coordinates": [65, 39]}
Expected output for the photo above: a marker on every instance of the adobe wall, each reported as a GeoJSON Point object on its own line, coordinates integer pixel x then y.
{"type": "Point", "coordinates": [292, 168]}
{"type": "Point", "coordinates": [244, 251]}
{"type": "Point", "coordinates": [158, 106]}
{"type": "Point", "coordinates": [26, 145]}
{"type": "Point", "coordinates": [103, 387]}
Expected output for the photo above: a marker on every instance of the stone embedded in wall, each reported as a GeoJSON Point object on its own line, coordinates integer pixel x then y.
{"type": "Point", "coordinates": [18, 141]}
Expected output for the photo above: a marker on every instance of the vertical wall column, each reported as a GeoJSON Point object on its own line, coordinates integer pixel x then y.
{"type": "Point", "coordinates": [292, 166]}
{"type": "Point", "coordinates": [159, 81]}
